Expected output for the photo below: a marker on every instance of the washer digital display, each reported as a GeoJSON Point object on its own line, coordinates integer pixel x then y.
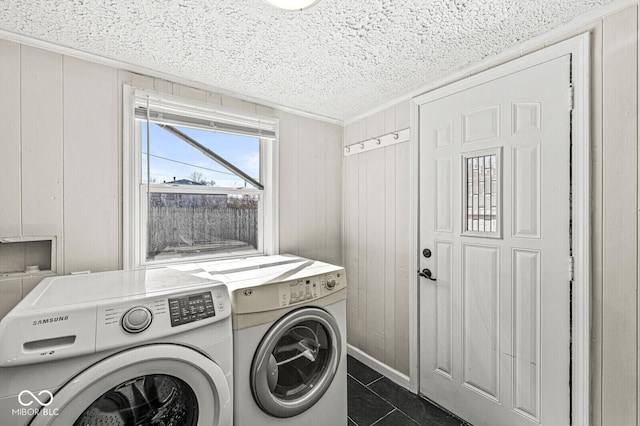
{"type": "Point", "coordinates": [190, 308]}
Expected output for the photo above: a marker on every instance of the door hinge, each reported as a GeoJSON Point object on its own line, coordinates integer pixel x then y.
{"type": "Point", "coordinates": [571, 268]}
{"type": "Point", "coordinates": [571, 97]}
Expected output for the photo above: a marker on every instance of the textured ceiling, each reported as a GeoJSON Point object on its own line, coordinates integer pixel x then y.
{"type": "Point", "coordinates": [338, 59]}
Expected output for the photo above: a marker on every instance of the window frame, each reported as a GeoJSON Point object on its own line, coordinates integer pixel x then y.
{"type": "Point", "coordinates": [134, 218]}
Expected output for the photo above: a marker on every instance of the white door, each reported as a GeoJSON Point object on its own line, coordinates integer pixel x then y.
{"type": "Point", "coordinates": [495, 213]}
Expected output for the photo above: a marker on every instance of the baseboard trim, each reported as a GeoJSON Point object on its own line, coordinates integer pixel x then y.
{"type": "Point", "coordinates": [382, 368]}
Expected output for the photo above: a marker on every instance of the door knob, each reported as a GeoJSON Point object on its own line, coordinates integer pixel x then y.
{"type": "Point", "coordinates": [426, 273]}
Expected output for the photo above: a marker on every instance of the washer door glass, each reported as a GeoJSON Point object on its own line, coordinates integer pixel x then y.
{"type": "Point", "coordinates": [159, 384]}
{"type": "Point", "coordinates": [296, 362]}
{"type": "Point", "coordinates": [147, 400]}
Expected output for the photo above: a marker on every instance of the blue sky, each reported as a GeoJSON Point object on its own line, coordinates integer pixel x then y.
{"type": "Point", "coordinates": [242, 151]}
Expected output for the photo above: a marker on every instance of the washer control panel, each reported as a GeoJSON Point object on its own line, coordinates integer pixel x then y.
{"type": "Point", "coordinates": [86, 314]}
{"type": "Point", "coordinates": [137, 319]}
{"type": "Point", "coordinates": [161, 315]}
{"type": "Point", "coordinates": [190, 308]}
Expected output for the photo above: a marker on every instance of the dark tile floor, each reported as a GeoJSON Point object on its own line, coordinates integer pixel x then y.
{"type": "Point", "coordinates": [375, 400]}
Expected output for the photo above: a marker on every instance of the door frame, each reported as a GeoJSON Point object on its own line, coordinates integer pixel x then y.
{"type": "Point", "coordinates": [578, 47]}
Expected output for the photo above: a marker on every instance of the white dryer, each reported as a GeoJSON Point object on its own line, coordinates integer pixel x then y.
{"type": "Point", "coordinates": [147, 347]}
{"type": "Point", "coordinates": [289, 321]}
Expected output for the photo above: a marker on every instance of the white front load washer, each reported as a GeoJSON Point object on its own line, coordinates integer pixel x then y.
{"type": "Point", "coordinates": [289, 321]}
{"type": "Point", "coordinates": [150, 347]}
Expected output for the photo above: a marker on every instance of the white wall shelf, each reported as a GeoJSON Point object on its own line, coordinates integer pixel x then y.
{"type": "Point", "coordinates": [22, 257]}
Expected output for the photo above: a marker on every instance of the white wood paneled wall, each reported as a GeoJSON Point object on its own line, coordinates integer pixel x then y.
{"type": "Point", "coordinates": [376, 240]}
{"type": "Point", "coordinates": [620, 379]}
{"type": "Point", "coordinates": [92, 209]}
{"type": "Point", "coordinates": [310, 188]}
{"type": "Point", "coordinates": [59, 154]}
{"type": "Point", "coordinates": [10, 107]}
{"type": "Point", "coordinates": [61, 151]}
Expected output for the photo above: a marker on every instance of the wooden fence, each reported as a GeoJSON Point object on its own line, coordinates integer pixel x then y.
{"type": "Point", "coordinates": [201, 228]}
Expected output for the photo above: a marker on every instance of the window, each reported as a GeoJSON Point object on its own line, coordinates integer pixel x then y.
{"type": "Point", "coordinates": [199, 181]}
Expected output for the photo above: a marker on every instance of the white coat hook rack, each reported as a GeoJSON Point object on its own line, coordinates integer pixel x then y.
{"type": "Point", "coordinates": [377, 142]}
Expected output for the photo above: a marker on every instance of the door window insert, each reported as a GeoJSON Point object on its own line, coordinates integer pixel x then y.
{"type": "Point", "coordinates": [481, 193]}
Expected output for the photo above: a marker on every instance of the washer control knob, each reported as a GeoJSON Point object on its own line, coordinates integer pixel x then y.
{"type": "Point", "coordinates": [331, 283]}
{"type": "Point", "coordinates": [137, 319]}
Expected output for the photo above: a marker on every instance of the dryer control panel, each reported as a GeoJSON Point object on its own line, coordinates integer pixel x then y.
{"type": "Point", "coordinates": [297, 291]}
{"type": "Point", "coordinates": [288, 293]}
{"type": "Point", "coordinates": [303, 290]}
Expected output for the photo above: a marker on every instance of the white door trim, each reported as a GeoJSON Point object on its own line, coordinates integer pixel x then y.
{"type": "Point", "coordinates": [578, 47]}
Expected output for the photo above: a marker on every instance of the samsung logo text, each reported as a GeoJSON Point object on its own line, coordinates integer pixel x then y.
{"type": "Point", "coordinates": [50, 320]}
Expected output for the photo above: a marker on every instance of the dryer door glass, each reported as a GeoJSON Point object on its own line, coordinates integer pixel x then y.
{"type": "Point", "coordinates": [147, 400]}
{"type": "Point", "coordinates": [296, 362]}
